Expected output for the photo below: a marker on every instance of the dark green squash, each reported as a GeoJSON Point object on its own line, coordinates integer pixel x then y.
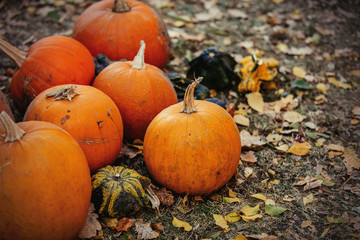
{"type": "Point", "coordinates": [119, 191]}
{"type": "Point", "coordinates": [180, 83]}
{"type": "Point", "coordinates": [217, 69]}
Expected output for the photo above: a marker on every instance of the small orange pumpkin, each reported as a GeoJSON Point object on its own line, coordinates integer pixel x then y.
{"type": "Point", "coordinates": [88, 114]}
{"type": "Point", "coordinates": [192, 147]}
{"type": "Point", "coordinates": [139, 90]}
{"type": "Point", "coordinates": [117, 32]}
{"type": "Point", "coordinates": [45, 182]}
{"type": "Point", "coordinates": [4, 106]}
{"type": "Point", "coordinates": [51, 61]}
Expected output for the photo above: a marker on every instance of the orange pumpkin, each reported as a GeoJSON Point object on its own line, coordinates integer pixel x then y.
{"type": "Point", "coordinates": [49, 62]}
{"type": "Point", "coordinates": [88, 114]}
{"type": "Point", "coordinates": [117, 33]}
{"type": "Point", "coordinates": [4, 106]}
{"type": "Point", "coordinates": [192, 147]}
{"type": "Point", "coordinates": [139, 90]}
{"type": "Point", "coordinates": [45, 182]}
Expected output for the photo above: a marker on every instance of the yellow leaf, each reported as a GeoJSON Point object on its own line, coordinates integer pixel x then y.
{"type": "Point", "coordinates": [321, 87]}
{"type": "Point", "coordinates": [251, 218]}
{"type": "Point", "coordinates": [306, 224]}
{"type": "Point", "coordinates": [220, 221]}
{"type": "Point", "coordinates": [337, 83]}
{"type": "Point", "coordinates": [270, 202]}
{"type": "Point", "coordinates": [231, 200]}
{"type": "Point", "coordinates": [335, 147]}
{"type": "Point", "coordinates": [275, 181]}
{"type": "Point", "coordinates": [299, 72]}
{"type": "Point", "coordinates": [255, 101]}
{"type": "Point", "coordinates": [300, 149]}
{"type": "Point", "coordinates": [336, 219]}
{"type": "Point", "coordinates": [241, 120]}
{"type": "Point", "coordinates": [249, 211]}
{"type": "Point", "coordinates": [181, 224]}
{"type": "Point", "coordinates": [240, 237]}
{"type": "Point", "coordinates": [233, 217]}
{"type": "Point", "coordinates": [110, 222]}
{"type": "Point", "coordinates": [309, 199]}
{"type": "Point", "coordinates": [282, 47]}
{"type": "Point", "coordinates": [326, 230]}
{"type": "Point", "coordinates": [292, 117]}
{"type": "Point", "coordinates": [259, 196]}
{"type": "Point", "coordinates": [232, 194]}
{"type": "Point", "coordinates": [351, 159]}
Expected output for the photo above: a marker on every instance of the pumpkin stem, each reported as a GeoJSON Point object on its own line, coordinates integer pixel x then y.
{"type": "Point", "coordinates": [12, 52]}
{"type": "Point", "coordinates": [121, 6]}
{"type": "Point", "coordinates": [12, 131]}
{"type": "Point", "coordinates": [65, 93]}
{"type": "Point", "coordinates": [188, 105]}
{"type": "Point", "coordinates": [139, 62]}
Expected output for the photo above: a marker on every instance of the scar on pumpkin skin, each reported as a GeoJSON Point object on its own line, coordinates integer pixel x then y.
{"type": "Point", "coordinates": [4, 165]}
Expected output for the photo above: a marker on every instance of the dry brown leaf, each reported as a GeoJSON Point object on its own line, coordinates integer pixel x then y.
{"type": "Point", "coordinates": [248, 140]}
{"type": "Point", "coordinates": [351, 159]}
{"type": "Point", "coordinates": [300, 51]}
{"type": "Point", "coordinates": [308, 199]}
{"type": "Point", "coordinates": [241, 120]}
{"type": "Point", "coordinates": [274, 138]}
{"type": "Point", "coordinates": [292, 117]}
{"type": "Point", "coordinates": [300, 149]}
{"type": "Point", "coordinates": [255, 101]}
{"type": "Point", "coordinates": [248, 157]}
{"type": "Point", "coordinates": [92, 225]}
{"type": "Point", "coordinates": [165, 196]}
{"type": "Point", "coordinates": [306, 224]}
{"type": "Point", "coordinates": [123, 224]}
{"type": "Point", "coordinates": [309, 182]}
{"type": "Point", "coordinates": [248, 171]}
{"type": "Point", "coordinates": [335, 147]}
{"type": "Point", "coordinates": [299, 72]}
{"type": "Point", "coordinates": [144, 230]}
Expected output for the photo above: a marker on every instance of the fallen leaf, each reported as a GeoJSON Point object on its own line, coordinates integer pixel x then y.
{"type": "Point", "coordinates": [299, 72]}
{"type": "Point", "coordinates": [144, 230]}
{"type": "Point", "coordinates": [274, 211]}
{"type": "Point", "coordinates": [165, 196]}
{"type": "Point", "coordinates": [274, 138]}
{"type": "Point", "coordinates": [308, 199]}
{"type": "Point", "coordinates": [300, 84]}
{"type": "Point", "coordinates": [300, 149]}
{"type": "Point", "coordinates": [325, 182]}
{"type": "Point", "coordinates": [233, 217]}
{"type": "Point", "coordinates": [351, 159]}
{"type": "Point", "coordinates": [236, 13]}
{"type": "Point", "coordinates": [300, 51]}
{"type": "Point", "coordinates": [248, 171]}
{"type": "Point", "coordinates": [270, 202]}
{"type": "Point", "coordinates": [250, 211]}
{"type": "Point", "coordinates": [326, 230]}
{"type": "Point", "coordinates": [289, 198]}
{"type": "Point", "coordinates": [255, 101]}
{"type": "Point", "coordinates": [124, 224]}
{"type": "Point", "coordinates": [282, 47]}
{"type": "Point", "coordinates": [282, 148]}
{"type": "Point", "coordinates": [232, 194]}
{"type": "Point", "coordinates": [335, 147]}
{"type": "Point", "coordinates": [248, 157]}
{"type": "Point", "coordinates": [231, 200]}
{"type": "Point", "coordinates": [321, 87]}
{"type": "Point", "coordinates": [181, 224]}
{"type": "Point", "coordinates": [248, 140]}
{"type": "Point", "coordinates": [275, 181]}
{"type": "Point", "coordinates": [241, 120]}
{"type": "Point", "coordinates": [240, 237]}
{"type": "Point", "coordinates": [92, 225]}
{"type": "Point", "coordinates": [337, 83]}
{"type": "Point", "coordinates": [336, 219]}
{"type": "Point", "coordinates": [220, 221]}
{"type": "Point", "coordinates": [306, 224]}
{"type": "Point", "coordinates": [320, 99]}
{"type": "Point", "coordinates": [355, 73]}
{"type": "Point", "coordinates": [292, 117]}
{"type": "Point", "coordinates": [251, 218]}
{"type": "Point", "coordinates": [309, 182]}
{"type": "Point", "coordinates": [110, 222]}
{"type": "Point", "coordinates": [259, 196]}
{"type": "Point", "coordinates": [310, 125]}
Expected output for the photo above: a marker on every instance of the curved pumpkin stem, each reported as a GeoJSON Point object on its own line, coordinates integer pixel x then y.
{"type": "Point", "coordinates": [12, 131]}
{"type": "Point", "coordinates": [139, 61]}
{"type": "Point", "coordinates": [67, 93]}
{"type": "Point", "coordinates": [121, 6]}
{"type": "Point", "coordinates": [188, 104]}
{"type": "Point", "coordinates": [13, 53]}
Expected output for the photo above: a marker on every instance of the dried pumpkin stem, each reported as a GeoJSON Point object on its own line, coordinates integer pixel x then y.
{"type": "Point", "coordinates": [67, 93]}
{"type": "Point", "coordinates": [189, 105]}
{"type": "Point", "coordinates": [12, 131]}
{"type": "Point", "coordinates": [139, 61]}
{"type": "Point", "coordinates": [121, 6]}
{"type": "Point", "coordinates": [12, 52]}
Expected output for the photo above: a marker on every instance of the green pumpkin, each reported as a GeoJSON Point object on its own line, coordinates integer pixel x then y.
{"type": "Point", "coordinates": [119, 191]}
{"type": "Point", "coordinates": [180, 83]}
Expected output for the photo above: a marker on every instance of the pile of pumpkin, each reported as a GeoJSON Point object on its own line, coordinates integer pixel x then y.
{"type": "Point", "coordinates": [74, 125]}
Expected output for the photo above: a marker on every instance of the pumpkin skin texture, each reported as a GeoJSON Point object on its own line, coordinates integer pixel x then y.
{"type": "Point", "coordinates": [4, 106]}
{"type": "Point", "coordinates": [49, 62]}
{"type": "Point", "coordinates": [119, 191]}
{"type": "Point", "coordinates": [117, 34]}
{"type": "Point", "coordinates": [45, 188]}
{"type": "Point", "coordinates": [91, 117]}
{"type": "Point", "coordinates": [194, 153]}
{"type": "Point", "coordinates": [139, 93]}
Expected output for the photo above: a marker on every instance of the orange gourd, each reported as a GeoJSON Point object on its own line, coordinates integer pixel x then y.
{"type": "Point", "coordinates": [88, 114]}
{"type": "Point", "coordinates": [45, 185]}
{"type": "Point", "coordinates": [139, 90]}
{"type": "Point", "coordinates": [4, 106]}
{"type": "Point", "coordinates": [115, 28]}
{"type": "Point", "coordinates": [192, 147]}
{"type": "Point", "coordinates": [49, 62]}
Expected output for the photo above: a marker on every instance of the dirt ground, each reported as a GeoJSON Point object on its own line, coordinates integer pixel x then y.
{"type": "Point", "coordinates": [318, 36]}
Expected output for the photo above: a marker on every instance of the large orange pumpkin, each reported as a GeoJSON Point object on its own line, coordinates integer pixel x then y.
{"type": "Point", "coordinates": [45, 182]}
{"type": "Point", "coordinates": [49, 62]}
{"type": "Point", "coordinates": [88, 114]}
{"type": "Point", "coordinates": [192, 147]}
{"type": "Point", "coordinates": [139, 90]}
{"type": "Point", "coordinates": [4, 105]}
{"type": "Point", "coordinates": [115, 28]}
